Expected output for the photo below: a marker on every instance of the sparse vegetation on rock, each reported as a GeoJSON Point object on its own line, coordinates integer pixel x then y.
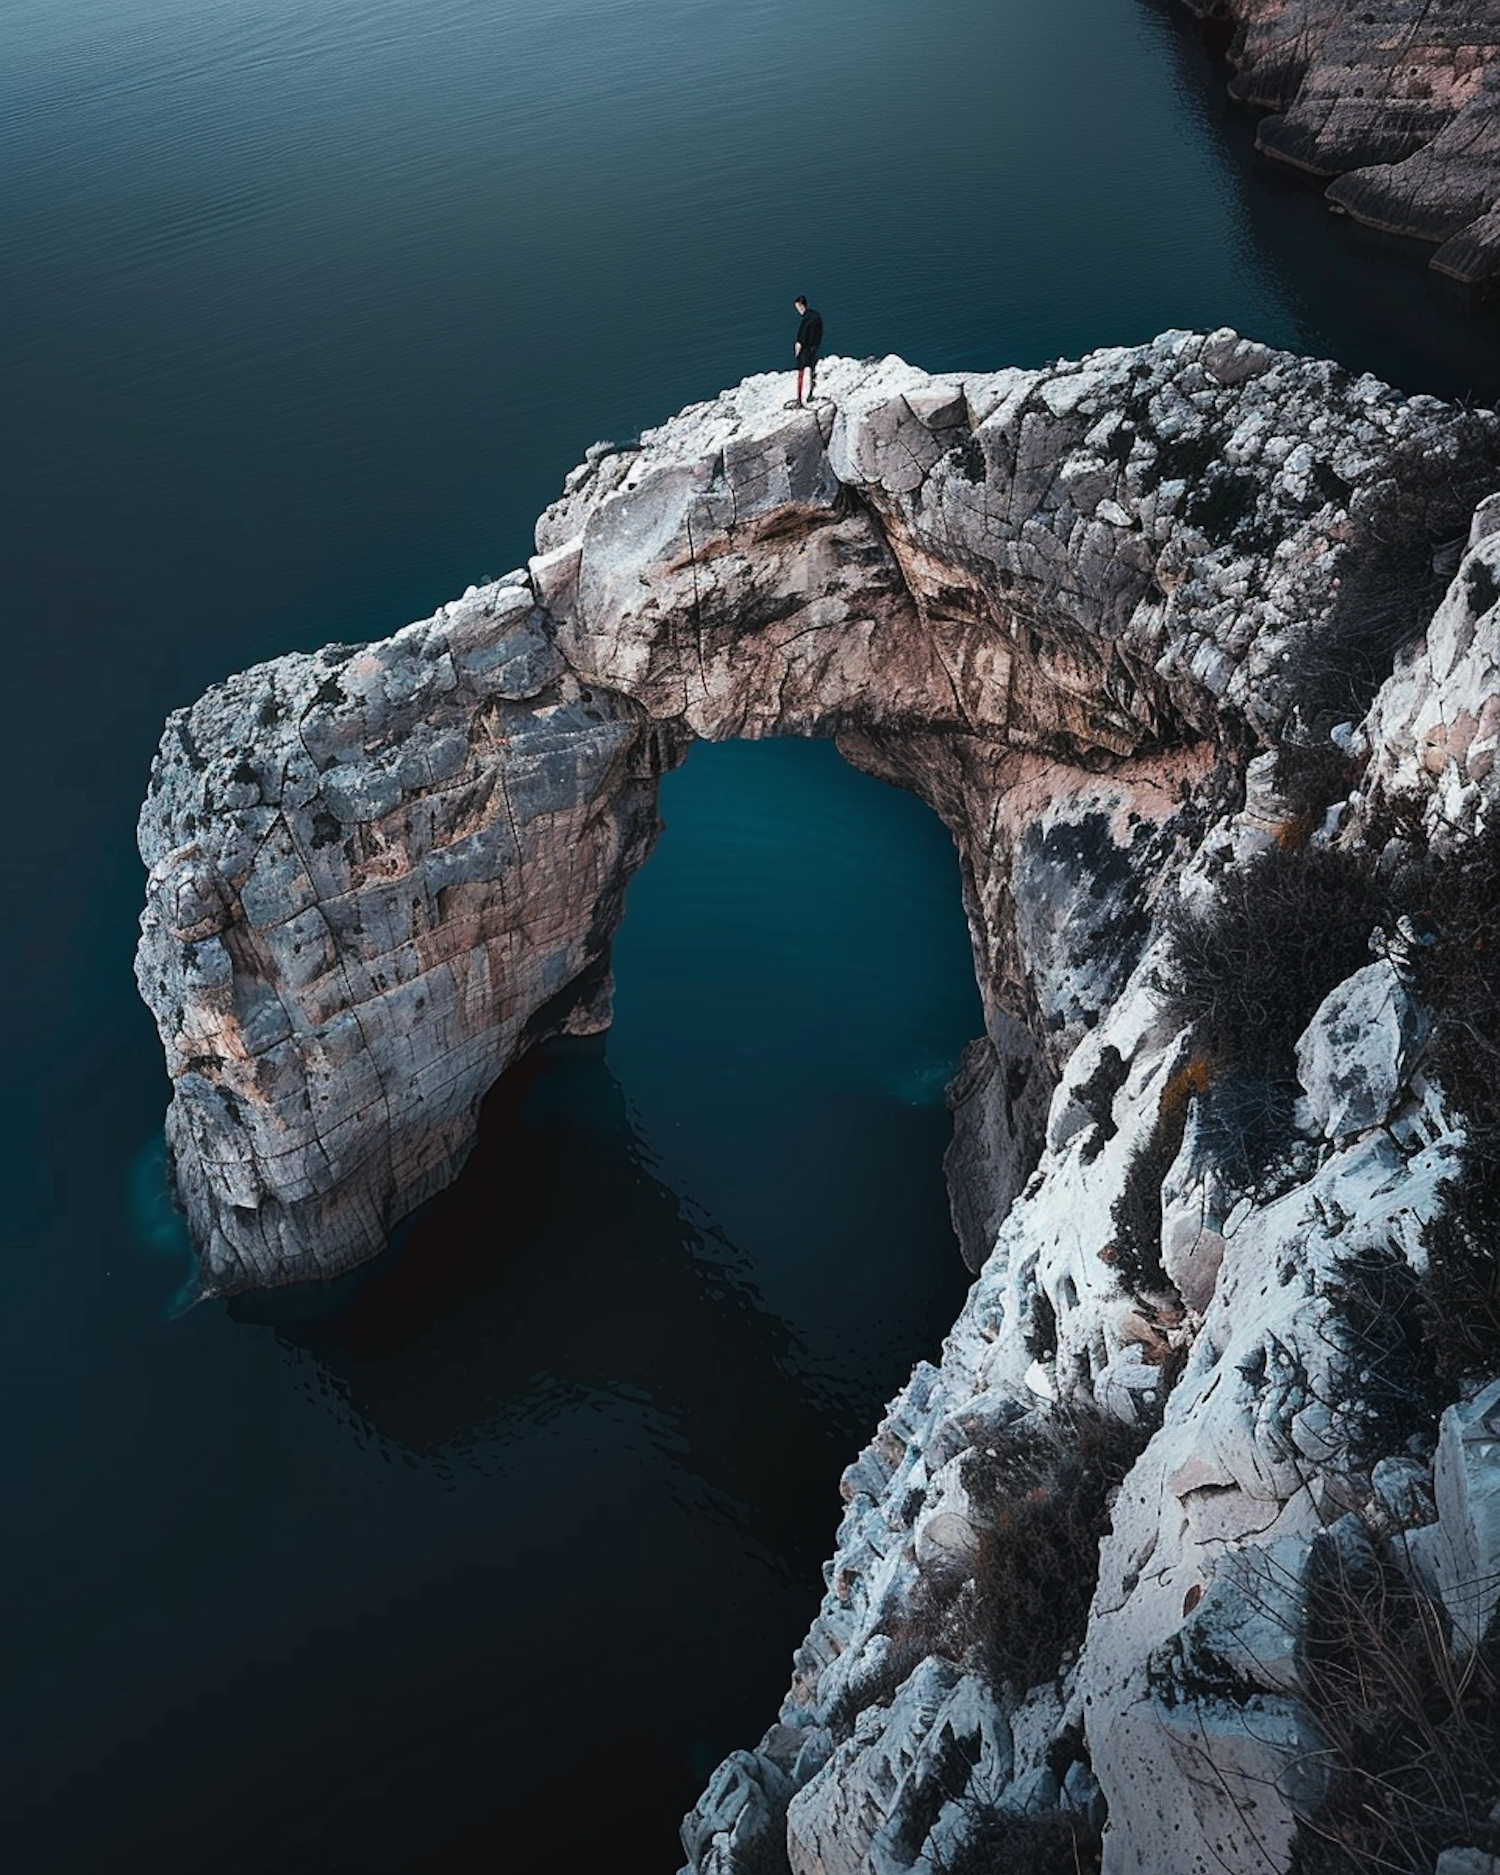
{"type": "Point", "coordinates": [1410, 1722]}
{"type": "Point", "coordinates": [1246, 973]}
{"type": "Point", "coordinates": [1042, 1492]}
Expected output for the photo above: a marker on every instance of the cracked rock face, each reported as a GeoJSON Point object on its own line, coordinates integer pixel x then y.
{"type": "Point", "coordinates": [342, 943]}
{"type": "Point", "coordinates": [1398, 101]}
{"type": "Point", "coordinates": [1263, 1372]}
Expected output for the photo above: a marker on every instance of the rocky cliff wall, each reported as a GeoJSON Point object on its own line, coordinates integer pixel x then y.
{"type": "Point", "coordinates": [1397, 102]}
{"type": "Point", "coordinates": [1120, 623]}
{"type": "Point", "coordinates": [1290, 1658]}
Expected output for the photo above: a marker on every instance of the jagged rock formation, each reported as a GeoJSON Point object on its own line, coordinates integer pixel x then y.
{"type": "Point", "coordinates": [342, 942]}
{"type": "Point", "coordinates": [1014, 593]}
{"type": "Point", "coordinates": [1396, 101]}
{"type": "Point", "coordinates": [1067, 607]}
{"type": "Point", "coordinates": [1294, 1452]}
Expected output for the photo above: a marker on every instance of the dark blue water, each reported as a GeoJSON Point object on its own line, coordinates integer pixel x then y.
{"type": "Point", "coordinates": [306, 312]}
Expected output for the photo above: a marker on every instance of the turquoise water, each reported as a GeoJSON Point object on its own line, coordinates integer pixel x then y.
{"type": "Point", "coordinates": [307, 310]}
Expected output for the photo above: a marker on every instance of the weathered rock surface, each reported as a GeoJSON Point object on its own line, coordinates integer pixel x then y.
{"type": "Point", "coordinates": [1398, 101]}
{"type": "Point", "coordinates": [1066, 607]}
{"type": "Point", "coordinates": [1184, 1706]}
{"type": "Point", "coordinates": [376, 874]}
{"type": "Point", "coordinates": [1435, 728]}
{"type": "Point", "coordinates": [344, 942]}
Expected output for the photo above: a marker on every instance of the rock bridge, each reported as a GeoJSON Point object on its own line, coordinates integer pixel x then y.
{"type": "Point", "coordinates": [1048, 601]}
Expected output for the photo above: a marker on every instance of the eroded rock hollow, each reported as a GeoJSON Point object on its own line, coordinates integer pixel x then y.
{"type": "Point", "coordinates": [1134, 627]}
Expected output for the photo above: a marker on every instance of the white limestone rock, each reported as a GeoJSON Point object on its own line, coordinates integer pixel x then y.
{"type": "Point", "coordinates": [1460, 1552]}
{"type": "Point", "coordinates": [1434, 728]}
{"type": "Point", "coordinates": [1056, 604]}
{"type": "Point", "coordinates": [1356, 1055]}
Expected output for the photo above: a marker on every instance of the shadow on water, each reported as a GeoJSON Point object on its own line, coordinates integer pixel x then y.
{"type": "Point", "coordinates": [558, 1272]}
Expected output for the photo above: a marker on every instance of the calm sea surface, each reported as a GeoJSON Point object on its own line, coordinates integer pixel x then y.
{"type": "Point", "coordinates": [307, 310]}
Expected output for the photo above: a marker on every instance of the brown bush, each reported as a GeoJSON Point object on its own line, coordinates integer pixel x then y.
{"type": "Point", "coordinates": [1042, 1493]}
{"type": "Point", "coordinates": [1412, 1734]}
{"type": "Point", "coordinates": [1136, 1216]}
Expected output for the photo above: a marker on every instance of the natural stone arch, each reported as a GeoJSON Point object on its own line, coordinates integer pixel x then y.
{"type": "Point", "coordinates": [378, 874]}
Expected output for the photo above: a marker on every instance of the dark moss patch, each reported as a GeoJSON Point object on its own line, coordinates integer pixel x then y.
{"type": "Point", "coordinates": [327, 830]}
{"type": "Point", "coordinates": [1222, 503]}
{"type": "Point", "coordinates": [1187, 458]}
{"type": "Point", "coordinates": [1483, 588]}
{"type": "Point", "coordinates": [1041, 1329]}
{"type": "Point", "coordinates": [1097, 1097]}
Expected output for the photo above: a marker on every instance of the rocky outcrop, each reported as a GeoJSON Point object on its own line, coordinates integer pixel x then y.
{"type": "Point", "coordinates": [1396, 101]}
{"type": "Point", "coordinates": [1090, 614]}
{"type": "Point", "coordinates": [1301, 1485]}
{"type": "Point", "coordinates": [344, 944]}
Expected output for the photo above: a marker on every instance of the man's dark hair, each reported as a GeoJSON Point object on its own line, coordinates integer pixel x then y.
{"type": "Point", "coordinates": [800, 300]}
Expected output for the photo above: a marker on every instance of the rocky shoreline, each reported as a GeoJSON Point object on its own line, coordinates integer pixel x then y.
{"type": "Point", "coordinates": [1395, 102]}
{"type": "Point", "coordinates": [1195, 649]}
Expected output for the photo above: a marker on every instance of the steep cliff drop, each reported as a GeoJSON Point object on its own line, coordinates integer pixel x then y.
{"type": "Point", "coordinates": [1395, 102]}
{"type": "Point", "coordinates": [1123, 624]}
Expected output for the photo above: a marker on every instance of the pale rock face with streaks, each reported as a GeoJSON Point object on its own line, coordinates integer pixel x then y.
{"type": "Point", "coordinates": [1396, 101]}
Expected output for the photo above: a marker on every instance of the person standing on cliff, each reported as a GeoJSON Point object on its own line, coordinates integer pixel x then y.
{"type": "Point", "coordinates": [809, 338]}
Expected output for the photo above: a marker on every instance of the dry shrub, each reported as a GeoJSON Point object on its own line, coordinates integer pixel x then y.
{"type": "Point", "coordinates": [1460, 1299]}
{"type": "Point", "coordinates": [765, 1853]}
{"type": "Point", "coordinates": [1310, 776]}
{"type": "Point", "coordinates": [1044, 1842]}
{"type": "Point", "coordinates": [934, 1624]}
{"type": "Point", "coordinates": [1136, 1216]}
{"type": "Point", "coordinates": [1455, 902]}
{"type": "Point", "coordinates": [1247, 973]}
{"type": "Point", "coordinates": [1041, 1497]}
{"type": "Point", "coordinates": [1412, 1733]}
{"type": "Point", "coordinates": [1042, 1494]}
{"type": "Point", "coordinates": [1377, 1325]}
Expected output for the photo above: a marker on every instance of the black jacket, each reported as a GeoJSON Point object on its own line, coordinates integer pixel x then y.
{"type": "Point", "coordinates": [810, 334]}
